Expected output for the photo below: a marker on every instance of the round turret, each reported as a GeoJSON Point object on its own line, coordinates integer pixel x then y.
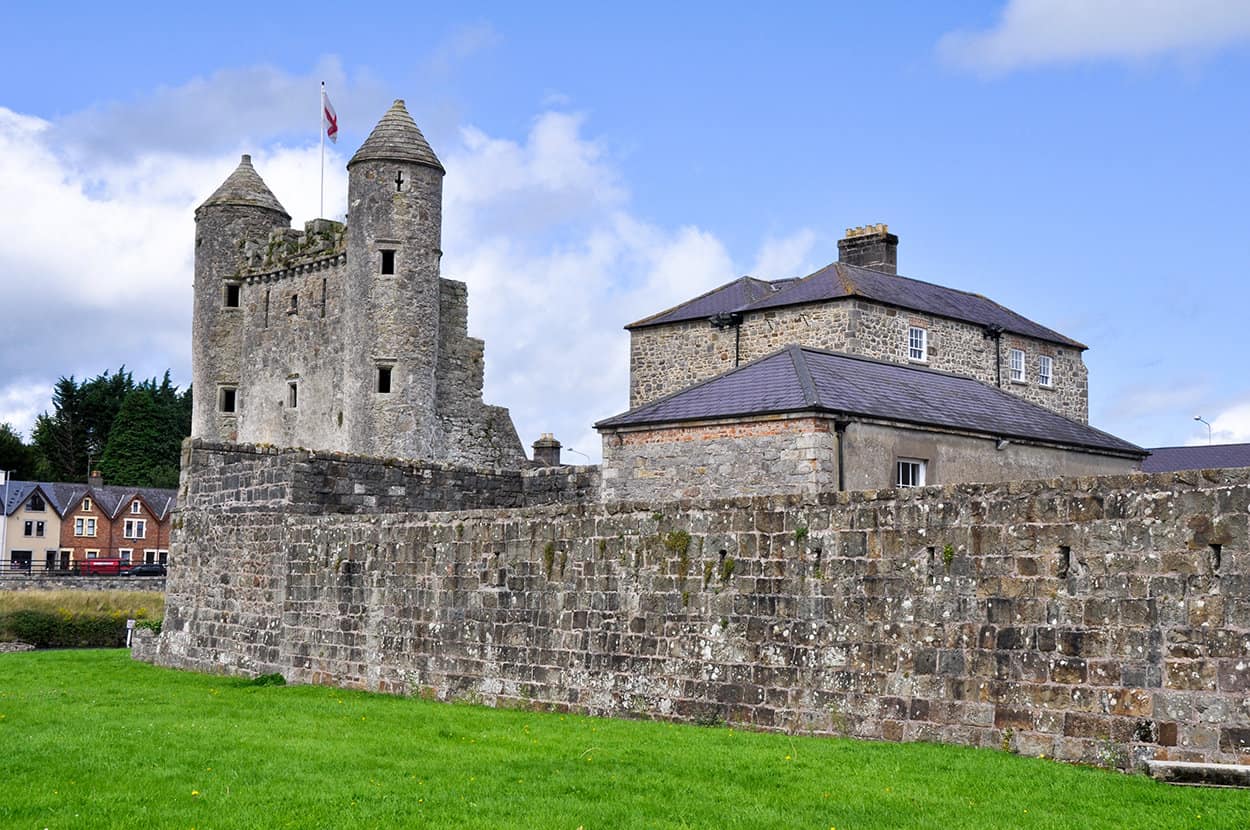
{"type": "Point", "coordinates": [242, 210]}
{"type": "Point", "coordinates": [394, 230]}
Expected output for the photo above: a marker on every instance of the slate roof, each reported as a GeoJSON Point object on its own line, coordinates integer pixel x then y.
{"type": "Point", "coordinates": [64, 496]}
{"type": "Point", "coordinates": [1204, 457]}
{"type": "Point", "coordinates": [245, 187]}
{"type": "Point", "coordinates": [16, 493]}
{"type": "Point", "coordinates": [397, 138]}
{"type": "Point", "coordinates": [798, 379]}
{"type": "Point", "coordinates": [730, 297]}
{"type": "Point", "coordinates": [842, 281]}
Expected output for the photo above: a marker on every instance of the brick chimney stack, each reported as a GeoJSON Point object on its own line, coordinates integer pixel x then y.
{"type": "Point", "coordinates": [872, 246]}
{"type": "Point", "coordinates": [95, 479]}
{"type": "Point", "coordinates": [547, 451]}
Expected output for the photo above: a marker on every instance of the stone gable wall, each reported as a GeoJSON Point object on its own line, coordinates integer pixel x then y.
{"type": "Point", "coordinates": [1103, 620]}
{"type": "Point", "coordinates": [721, 460]}
{"type": "Point", "coordinates": [666, 359]}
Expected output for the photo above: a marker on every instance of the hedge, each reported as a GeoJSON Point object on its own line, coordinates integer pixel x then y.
{"type": "Point", "coordinates": [44, 629]}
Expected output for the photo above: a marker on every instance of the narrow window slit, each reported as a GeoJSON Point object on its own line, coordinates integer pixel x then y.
{"type": "Point", "coordinates": [1216, 551]}
{"type": "Point", "coordinates": [384, 380]}
{"type": "Point", "coordinates": [1065, 562]}
{"type": "Point", "coordinates": [388, 262]}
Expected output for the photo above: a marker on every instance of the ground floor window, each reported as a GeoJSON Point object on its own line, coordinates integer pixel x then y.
{"type": "Point", "coordinates": [124, 553]}
{"type": "Point", "coordinates": [910, 472]}
{"type": "Point", "coordinates": [19, 560]}
{"type": "Point", "coordinates": [164, 557]}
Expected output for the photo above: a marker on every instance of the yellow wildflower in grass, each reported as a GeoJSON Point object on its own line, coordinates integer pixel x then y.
{"type": "Point", "coordinates": [195, 793]}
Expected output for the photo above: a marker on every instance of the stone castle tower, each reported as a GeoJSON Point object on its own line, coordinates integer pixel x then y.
{"type": "Point", "coordinates": [342, 338]}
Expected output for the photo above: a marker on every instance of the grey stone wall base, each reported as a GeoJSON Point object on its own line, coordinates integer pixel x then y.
{"type": "Point", "coordinates": [1206, 775]}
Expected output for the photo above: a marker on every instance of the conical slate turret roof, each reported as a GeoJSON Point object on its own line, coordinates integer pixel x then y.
{"type": "Point", "coordinates": [245, 187]}
{"type": "Point", "coordinates": [397, 138]}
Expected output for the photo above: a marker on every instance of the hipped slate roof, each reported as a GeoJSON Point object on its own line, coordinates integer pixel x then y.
{"type": "Point", "coordinates": [245, 187]}
{"type": "Point", "coordinates": [842, 281]}
{"type": "Point", "coordinates": [798, 379]}
{"type": "Point", "coordinates": [397, 138]}
{"type": "Point", "coordinates": [1206, 457]}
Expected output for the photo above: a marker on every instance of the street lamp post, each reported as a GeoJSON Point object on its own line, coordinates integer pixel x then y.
{"type": "Point", "coordinates": [4, 519]}
{"type": "Point", "coordinates": [1200, 418]}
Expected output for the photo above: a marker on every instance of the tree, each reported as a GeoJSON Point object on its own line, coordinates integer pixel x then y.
{"type": "Point", "coordinates": [15, 456]}
{"type": "Point", "coordinates": [73, 436]}
{"type": "Point", "coordinates": [143, 445]}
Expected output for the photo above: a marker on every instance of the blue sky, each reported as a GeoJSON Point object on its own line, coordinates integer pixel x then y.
{"type": "Point", "coordinates": [1082, 163]}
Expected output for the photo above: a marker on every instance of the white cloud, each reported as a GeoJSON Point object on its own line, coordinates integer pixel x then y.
{"type": "Point", "coordinates": [1232, 426]}
{"type": "Point", "coordinates": [786, 256]}
{"type": "Point", "coordinates": [1041, 32]}
{"type": "Point", "coordinates": [556, 265]}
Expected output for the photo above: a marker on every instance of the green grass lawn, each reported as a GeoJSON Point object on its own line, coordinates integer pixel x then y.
{"type": "Point", "coordinates": [92, 739]}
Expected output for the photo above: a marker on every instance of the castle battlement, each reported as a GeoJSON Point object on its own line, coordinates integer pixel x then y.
{"type": "Point", "coordinates": [341, 336]}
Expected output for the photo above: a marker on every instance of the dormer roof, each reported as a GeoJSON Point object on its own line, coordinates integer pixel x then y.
{"type": "Point", "coordinates": [397, 138]}
{"type": "Point", "coordinates": [245, 188]}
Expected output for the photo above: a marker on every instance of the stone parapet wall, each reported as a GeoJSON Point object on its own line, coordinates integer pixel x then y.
{"type": "Point", "coordinates": [50, 582]}
{"type": "Point", "coordinates": [237, 478]}
{"type": "Point", "coordinates": [1102, 620]}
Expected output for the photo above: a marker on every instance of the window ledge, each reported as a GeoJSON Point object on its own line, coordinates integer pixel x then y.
{"type": "Point", "coordinates": [1019, 383]}
{"type": "Point", "coordinates": [915, 362]}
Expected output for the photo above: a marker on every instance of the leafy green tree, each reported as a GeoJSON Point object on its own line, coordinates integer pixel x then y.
{"type": "Point", "coordinates": [143, 445]}
{"type": "Point", "coordinates": [15, 456]}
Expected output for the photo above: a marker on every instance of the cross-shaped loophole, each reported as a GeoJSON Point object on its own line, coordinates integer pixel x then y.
{"type": "Point", "coordinates": [399, 181]}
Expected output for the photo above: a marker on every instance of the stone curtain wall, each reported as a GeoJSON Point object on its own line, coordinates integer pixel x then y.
{"type": "Point", "coordinates": [1103, 620]}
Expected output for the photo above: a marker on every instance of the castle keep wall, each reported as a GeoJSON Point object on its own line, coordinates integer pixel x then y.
{"type": "Point", "coordinates": [1093, 619]}
{"type": "Point", "coordinates": [666, 359]}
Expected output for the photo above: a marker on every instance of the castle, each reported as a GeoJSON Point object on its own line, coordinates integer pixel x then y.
{"type": "Point", "coordinates": [792, 527]}
{"type": "Point", "coordinates": [342, 338]}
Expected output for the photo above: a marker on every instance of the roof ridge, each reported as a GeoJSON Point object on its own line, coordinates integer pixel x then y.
{"type": "Point", "coordinates": [694, 299]}
{"type": "Point", "coordinates": [804, 374]}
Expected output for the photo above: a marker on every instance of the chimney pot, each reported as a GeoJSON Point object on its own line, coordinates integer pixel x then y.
{"type": "Point", "coordinates": [870, 246]}
{"type": "Point", "coordinates": [547, 451]}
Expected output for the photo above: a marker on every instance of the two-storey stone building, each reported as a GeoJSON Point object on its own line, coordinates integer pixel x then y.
{"type": "Point", "coordinates": [858, 305]}
{"type": "Point", "coordinates": [852, 377]}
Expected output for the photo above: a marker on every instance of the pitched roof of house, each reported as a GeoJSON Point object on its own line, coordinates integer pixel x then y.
{"type": "Point", "coordinates": [62, 496]}
{"type": "Point", "coordinates": [730, 297]}
{"type": "Point", "coordinates": [245, 187]}
{"type": "Point", "coordinates": [397, 138]}
{"type": "Point", "coordinates": [840, 281]}
{"type": "Point", "coordinates": [15, 494]}
{"type": "Point", "coordinates": [799, 379]}
{"type": "Point", "coordinates": [1204, 457]}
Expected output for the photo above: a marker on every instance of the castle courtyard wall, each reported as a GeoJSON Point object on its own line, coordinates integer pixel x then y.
{"type": "Point", "coordinates": [1090, 619]}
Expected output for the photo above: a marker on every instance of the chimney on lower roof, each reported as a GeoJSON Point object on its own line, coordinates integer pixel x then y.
{"type": "Point", "coordinates": [872, 246]}
{"type": "Point", "coordinates": [547, 451]}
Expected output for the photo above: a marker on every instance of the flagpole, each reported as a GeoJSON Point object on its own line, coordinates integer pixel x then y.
{"type": "Point", "coordinates": [321, 127]}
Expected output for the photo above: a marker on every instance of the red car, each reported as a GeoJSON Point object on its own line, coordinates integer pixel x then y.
{"type": "Point", "coordinates": [101, 567]}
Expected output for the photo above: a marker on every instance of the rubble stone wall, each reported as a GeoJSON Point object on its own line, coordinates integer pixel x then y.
{"type": "Point", "coordinates": [1104, 620]}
